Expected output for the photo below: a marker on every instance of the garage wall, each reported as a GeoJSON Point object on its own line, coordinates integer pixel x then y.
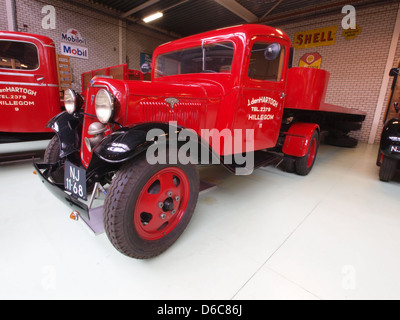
{"type": "Point", "coordinates": [100, 31]}
{"type": "Point", "coordinates": [357, 66]}
{"type": "Point", "coordinates": [140, 39]}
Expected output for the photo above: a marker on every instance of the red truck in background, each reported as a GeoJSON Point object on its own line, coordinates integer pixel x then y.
{"type": "Point", "coordinates": [120, 72]}
{"type": "Point", "coordinates": [29, 89]}
{"type": "Point", "coordinates": [29, 84]}
{"type": "Point", "coordinates": [238, 80]}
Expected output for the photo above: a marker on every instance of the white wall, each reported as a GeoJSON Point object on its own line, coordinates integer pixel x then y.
{"type": "Point", "coordinates": [357, 66]}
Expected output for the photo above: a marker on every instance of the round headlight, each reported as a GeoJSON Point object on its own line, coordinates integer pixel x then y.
{"type": "Point", "coordinates": [70, 101]}
{"type": "Point", "coordinates": [104, 106]}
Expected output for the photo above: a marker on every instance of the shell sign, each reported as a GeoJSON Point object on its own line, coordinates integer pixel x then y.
{"type": "Point", "coordinates": [315, 38]}
{"type": "Point", "coordinates": [311, 60]}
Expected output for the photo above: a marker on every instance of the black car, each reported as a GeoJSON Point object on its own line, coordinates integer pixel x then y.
{"type": "Point", "coordinates": [389, 151]}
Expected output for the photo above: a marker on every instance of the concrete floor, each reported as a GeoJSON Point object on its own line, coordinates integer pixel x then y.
{"type": "Point", "coordinates": [272, 235]}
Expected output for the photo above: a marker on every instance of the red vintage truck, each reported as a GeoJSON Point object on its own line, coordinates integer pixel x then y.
{"type": "Point", "coordinates": [29, 89]}
{"type": "Point", "coordinates": [229, 94]}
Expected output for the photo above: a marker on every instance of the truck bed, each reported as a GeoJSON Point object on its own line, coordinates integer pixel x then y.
{"type": "Point", "coordinates": [306, 91]}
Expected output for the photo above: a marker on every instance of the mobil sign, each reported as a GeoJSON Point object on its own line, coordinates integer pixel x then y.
{"type": "Point", "coordinates": [74, 51]}
{"type": "Point", "coordinates": [71, 42]}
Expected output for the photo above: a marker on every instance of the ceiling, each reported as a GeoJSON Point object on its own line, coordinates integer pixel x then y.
{"type": "Point", "coordinates": [187, 17]}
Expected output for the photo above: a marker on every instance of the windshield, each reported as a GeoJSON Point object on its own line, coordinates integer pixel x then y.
{"type": "Point", "coordinates": [211, 58]}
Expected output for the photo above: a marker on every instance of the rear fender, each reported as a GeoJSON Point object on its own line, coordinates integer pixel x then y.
{"type": "Point", "coordinates": [298, 138]}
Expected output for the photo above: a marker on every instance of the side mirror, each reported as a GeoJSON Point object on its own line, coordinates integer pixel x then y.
{"type": "Point", "coordinates": [394, 72]}
{"type": "Point", "coordinates": [272, 51]}
{"type": "Point", "coordinates": [145, 68]}
{"type": "Point", "coordinates": [396, 107]}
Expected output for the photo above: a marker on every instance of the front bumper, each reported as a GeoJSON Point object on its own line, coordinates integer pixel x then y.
{"type": "Point", "coordinates": [93, 218]}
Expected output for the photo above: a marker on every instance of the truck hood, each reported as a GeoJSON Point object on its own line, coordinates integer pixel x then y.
{"type": "Point", "coordinates": [190, 104]}
{"type": "Point", "coordinates": [201, 89]}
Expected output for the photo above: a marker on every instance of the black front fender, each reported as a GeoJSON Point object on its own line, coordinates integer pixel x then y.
{"type": "Point", "coordinates": [68, 129]}
{"type": "Point", "coordinates": [126, 144]}
{"type": "Point", "coordinates": [122, 146]}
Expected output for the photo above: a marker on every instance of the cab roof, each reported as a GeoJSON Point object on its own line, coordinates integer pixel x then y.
{"type": "Point", "coordinates": [248, 30]}
{"type": "Point", "coordinates": [21, 36]}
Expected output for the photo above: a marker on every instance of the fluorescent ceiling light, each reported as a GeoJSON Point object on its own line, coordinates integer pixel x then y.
{"type": "Point", "coordinates": [153, 17]}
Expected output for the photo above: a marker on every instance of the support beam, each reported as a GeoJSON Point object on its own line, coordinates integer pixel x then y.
{"type": "Point", "coordinates": [272, 9]}
{"type": "Point", "coordinates": [386, 79]}
{"type": "Point", "coordinates": [11, 15]}
{"type": "Point", "coordinates": [122, 42]}
{"type": "Point", "coordinates": [139, 8]}
{"type": "Point", "coordinates": [238, 9]}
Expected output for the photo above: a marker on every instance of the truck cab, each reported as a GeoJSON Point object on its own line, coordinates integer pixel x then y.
{"type": "Point", "coordinates": [29, 89]}
{"type": "Point", "coordinates": [225, 94]}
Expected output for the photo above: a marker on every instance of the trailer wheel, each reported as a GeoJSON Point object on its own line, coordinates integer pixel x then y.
{"type": "Point", "coordinates": [343, 141]}
{"type": "Point", "coordinates": [52, 155]}
{"type": "Point", "coordinates": [305, 164]}
{"type": "Point", "coordinates": [149, 206]}
{"type": "Point", "coordinates": [388, 169]}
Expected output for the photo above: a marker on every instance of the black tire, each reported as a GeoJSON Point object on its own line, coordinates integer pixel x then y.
{"type": "Point", "coordinates": [305, 164]}
{"type": "Point", "coordinates": [388, 169]}
{"type": "Point", "coordinates": [120, 208]}
{"type": "Point", "coordinates": [289, 164]}
{"type": "Point", "coordinates": [52, 153]}
{"type": "Point", "coordinates": [52, 156]}
{"type": "Point", "coordinates": [347, 127]}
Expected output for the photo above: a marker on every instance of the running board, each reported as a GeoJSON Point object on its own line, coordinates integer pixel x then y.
{"type": "Point", "coordinates": [9, 158]}
{"type": "Point", "coordinates": [262, 159]}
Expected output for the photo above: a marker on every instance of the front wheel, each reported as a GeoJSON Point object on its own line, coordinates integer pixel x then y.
{"type": "Point", "coordinates": [149, 206]}
{"type": "Point", "coordinates": [52, 156]}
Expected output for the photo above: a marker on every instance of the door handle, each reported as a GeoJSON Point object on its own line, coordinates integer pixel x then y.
{"type": "Point", "coordinates": [283, 95]}
{"type": "Point", "coordinates": [39, 78]}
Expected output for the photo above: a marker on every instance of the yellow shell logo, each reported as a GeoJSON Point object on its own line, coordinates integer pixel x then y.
{"type": "Point", "coordinates": [310, 59]}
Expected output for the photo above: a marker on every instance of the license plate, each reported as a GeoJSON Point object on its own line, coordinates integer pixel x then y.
{"type": "Point", "coordinates": [75, 180]}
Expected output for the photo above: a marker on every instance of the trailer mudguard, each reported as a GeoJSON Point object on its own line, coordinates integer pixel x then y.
{"type": "Point", "coordinates": [68, 128]}
{"type": "Point", "coordinates": [390, 141]}
{"type": "Point", "coordinates": [298, 139]}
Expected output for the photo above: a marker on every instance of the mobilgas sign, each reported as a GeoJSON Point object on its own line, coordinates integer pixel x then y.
{"type": "Point", "coordinates": [73, 36]}
{"type": "Point", "coordinates": [71, 45]}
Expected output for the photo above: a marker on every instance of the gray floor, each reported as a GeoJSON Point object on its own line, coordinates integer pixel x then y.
{"type": "Point", "coordinates": [332, 235]}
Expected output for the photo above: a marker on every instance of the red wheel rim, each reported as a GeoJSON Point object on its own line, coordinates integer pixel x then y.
{"type": "Point", "coordinates": [312, 153]}
{"type": "Point", "coordinates": [161, 204]}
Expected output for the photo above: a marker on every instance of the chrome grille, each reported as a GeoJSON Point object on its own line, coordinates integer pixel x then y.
{"type": "Point", "coordinates": [186, 114]}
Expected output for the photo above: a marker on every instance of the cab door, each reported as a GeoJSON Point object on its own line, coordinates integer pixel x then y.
{"type": "Point", "coordinates": [24, 85]}
{"type": "Point", "coordinates": [263, 90]}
